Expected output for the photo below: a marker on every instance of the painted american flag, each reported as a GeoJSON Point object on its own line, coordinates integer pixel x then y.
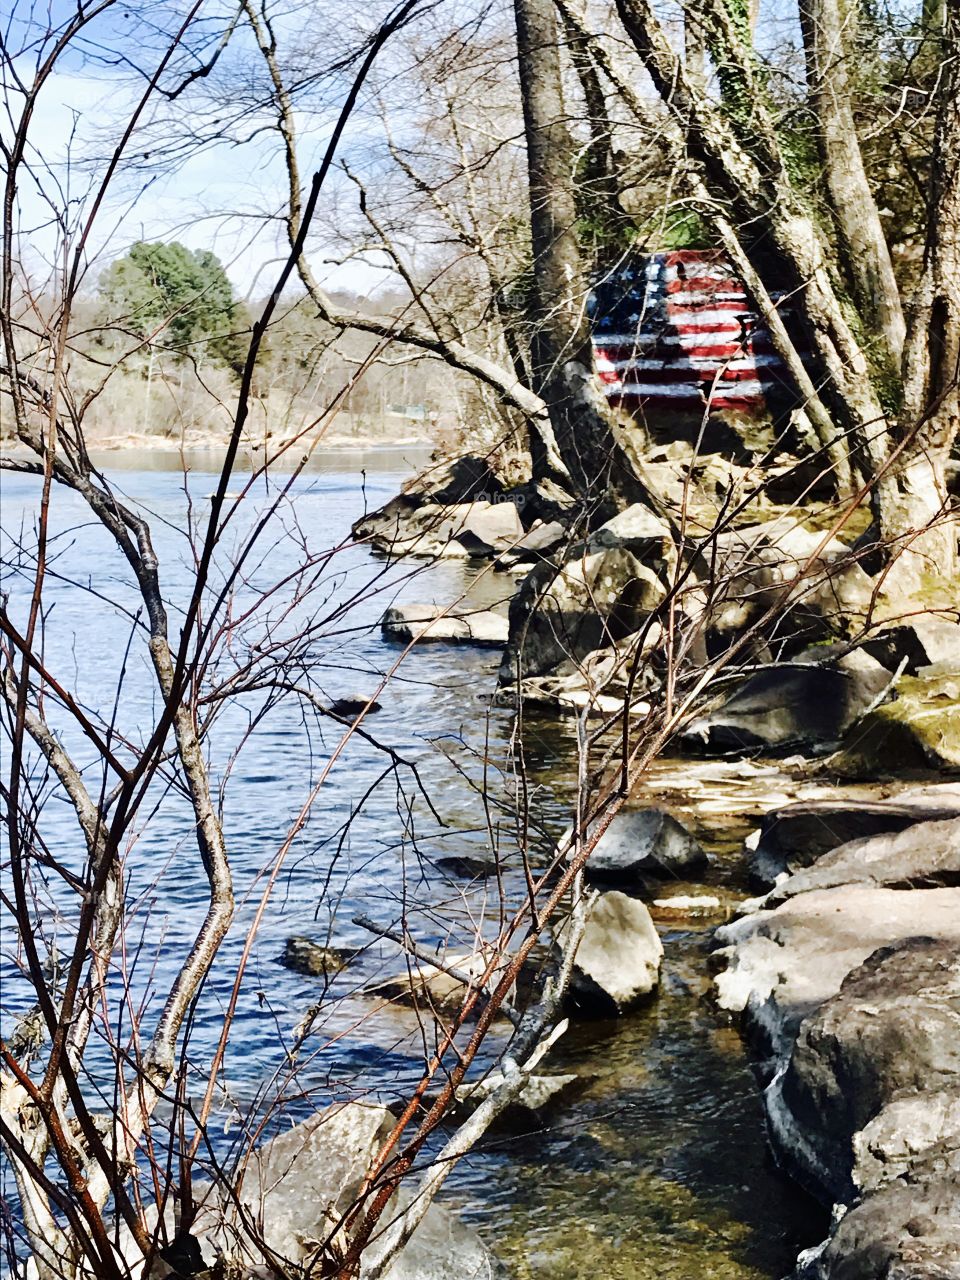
{"type": "Point", "coordinates": [674, 331]}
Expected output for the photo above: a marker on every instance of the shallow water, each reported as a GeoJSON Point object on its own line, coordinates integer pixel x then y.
{"type": "Point", "coordinates": [657, 1167]}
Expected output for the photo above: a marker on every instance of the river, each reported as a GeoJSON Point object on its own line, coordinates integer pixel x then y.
{"type": "Point", "coordinates": [657, 1168]}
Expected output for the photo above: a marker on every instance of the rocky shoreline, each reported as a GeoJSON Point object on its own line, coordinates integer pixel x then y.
{"type": "Point", "coordinates": [844, 977]}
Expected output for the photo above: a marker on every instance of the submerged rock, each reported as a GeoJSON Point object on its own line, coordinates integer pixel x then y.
{"type": "Point", "coordinates": [618, 960]}
{"type": "Point", "coordinates": [640, 843]}
{"type": "Point", "coordinates": [302, 955]}
{"type": "Point", "coordinates": [918, 731]}
{"type": "Point", "coordinates": [797, 835]}
{"type": "Point", "coordinates": [407, 622]}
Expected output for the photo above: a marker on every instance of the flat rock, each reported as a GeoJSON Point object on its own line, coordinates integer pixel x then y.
{"type": "Point", "coordinates": [422, 622]}
{"type": "Point", "coordinates": [797, 835]}
{"type": "Point", "coordinates": [689, 906]}
{"type": "Point", "coordinates": [783, 963]}
{"type": "Point", "coordinates": [925, 855]}
{"type": "Point", "coordinates": [640, 843]}
{"type": "Point", "coordinates": [618, 960]}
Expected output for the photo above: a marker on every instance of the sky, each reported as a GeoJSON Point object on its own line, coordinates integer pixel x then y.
{"type": "Point", "coordinates": [83, 104]}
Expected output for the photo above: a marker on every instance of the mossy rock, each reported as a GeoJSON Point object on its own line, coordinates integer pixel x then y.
{"type": "Point", "coordinates": [919, 730]}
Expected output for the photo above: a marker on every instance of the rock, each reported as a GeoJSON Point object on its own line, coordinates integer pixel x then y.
{"type": "Point", "coordinates": [539, 1094]}
{"type": "Point", "coordinates": [795, 836]}
{"type": "Point", "coordinates": [788, 706]}
{"type": "Point", "coordinates": [925, 855]}
{"type": "Point", "coordinates": [618, 960]}
{"type": "Point", "coordinates": [603, 591]}
{"type": "Point", "coordinates": [467, 867]}
{"type": "Point", "coordinates": [644, 842]}
{"type": "Point", "coordinates": [347, 708]}
{"type": "Point", "coordinates": [751, 566]}
{"type": "Point", "coordinates": [427, 985]}
{"type": "Point", "coordinates": [683, 907]}
{"type": "Point", "coordinates": [918, 731]}
{"type": "Point", "coordinates": [466, 479]}
{"type": "Point", "coordinates": [406, 528]}
{"type": "Point", "coordinates": [539, 540]}
{"type": "Point", "coordinates": [908, 1230]}
{"type": "Point", "coordinates": [894, 1026]}
{"type": "Point", "coordinates": [408, 622]}
{"type": "Point", "coordinates": [304, 956]}
{"type": "Point", "coordinates": [921, 642]}
{"type": "Point", "coordinates": [783, 963]}
{"type": "Point", "coordinates": [299, 1184]}
{"type": "Point", "coordinates": [904, 1130]}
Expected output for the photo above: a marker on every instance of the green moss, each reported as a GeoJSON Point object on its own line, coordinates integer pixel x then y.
{"type": "Point", "coordinates": [917, 731]}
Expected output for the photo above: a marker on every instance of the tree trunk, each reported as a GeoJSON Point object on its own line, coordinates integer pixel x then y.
{"type": "Point", "coordinates": [931, 414]}
{"type": "Point", "coordinates": [560, 347]}
{"type": "Point", "coordinates": [866, 257]}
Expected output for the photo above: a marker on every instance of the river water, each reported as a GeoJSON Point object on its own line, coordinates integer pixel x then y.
{"type": "Point", "coordinates": [657, 1167]}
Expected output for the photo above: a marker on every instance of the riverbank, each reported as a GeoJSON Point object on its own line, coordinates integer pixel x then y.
{"type": "Point", "coordinates": [855, 688]}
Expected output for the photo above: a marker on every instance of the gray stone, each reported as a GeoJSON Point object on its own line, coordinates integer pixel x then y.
{"type": "Point", "coordinates": [299, 1184]}
{"type": "Point", "coordinates": [907, 1128]}
{"type": "Point", "coordinates": [907, 1230]}
{"type": "Point", "coordinates": [618, 960]}
{"type": "Point", "coordinates": [603, 591]}
{"type": "Point", "coordinates": [892, 1028]}
{"type": "Point", "coordinates": [422, 622]}
{"type": "Point", "coordinates": [787, 707]}
{"type": "Point", "coordinates": [796, 836]}
{"type": "Point", "coordinates": [925, 855]}
{"type": "Point", "coordinates": [640, 843]}
{"type": "Point", "coordinates": [407, 528]}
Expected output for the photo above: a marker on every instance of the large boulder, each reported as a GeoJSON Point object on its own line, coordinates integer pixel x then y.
{"type": "Point", "coordinates": [299, 1184]}
{"type": "Point", "coordinates": [643, 843]}
{"type": "Point", "coordinates": [602, 590]}
{"type": "Point", "coordinates": [797, 835]}
{"type": "Point", "coordinates": [918, 731]}
{"type": "Point", "coordinates": [925, 855]}
{"type": "Point", "coordinates": [790, 706]}
{"type": "Point", "coordinates": [618, 960]}
{"type": "Point", "coordinates": [408, 622]}
{"type": "Point", "coordinates": [783, 963]}
{"type": "Point", "coordinates": [893, 1028]}
{"type": "Point", "coordinates": [908, 1230]}
{"type": "Point", "coordinates": [750, 568]}
{"type": "Point", "coordinates": [294, 1191]}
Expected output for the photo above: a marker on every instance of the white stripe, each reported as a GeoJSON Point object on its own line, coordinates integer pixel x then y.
{"type": "Point", "coordinates": [694, 363]}
{"type": "Point", "coordinates": [746, 390]}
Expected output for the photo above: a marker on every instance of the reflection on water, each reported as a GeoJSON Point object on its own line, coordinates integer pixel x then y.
{"type": "Point", "coordinates": [658, 1167]}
